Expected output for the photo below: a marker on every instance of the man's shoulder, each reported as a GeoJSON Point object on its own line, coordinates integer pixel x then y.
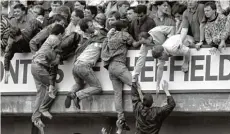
{"type": "Point", "coordinates": [185, 14]}
{"type": "Point", "coordinates": [221, 16]}
{"type": "Point", "coordinates": [149, 20]}
{"type": "Point", "coordinates": [13, 21]}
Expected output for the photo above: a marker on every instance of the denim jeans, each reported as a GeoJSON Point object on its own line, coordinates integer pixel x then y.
{"type": "Point", "coordinates": [83, 72]}
{"type": "Point", "coordinates": [119, 75]}
{"type": "Point", "coordinates": [43, 102]}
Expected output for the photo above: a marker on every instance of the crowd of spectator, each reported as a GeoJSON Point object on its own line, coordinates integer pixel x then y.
{"type": "Point", "coordinates": [53, 31]}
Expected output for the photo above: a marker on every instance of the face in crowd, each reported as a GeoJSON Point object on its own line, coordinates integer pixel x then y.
{"type": "Point", "coordinates": [88, 14]}
{"type": "Point", "coordinates": [19, 13]}
{"type": "Point", "coordinates": [123, 9]}
{"type": "Point", "coordinates": [131, 15]}
{"type": "Point", "coordinates": [112, 20]}
{"type": "Point", "coordinates": [140, 16]}
{"type": "Point", "coordinates": [74, 19]}
{"type": "Point", "coordinates": [192, 4]}
{"type": "Point", "coordinates": [164, 8]}
{"type": "Point", "coordinates": [100, 19]}
{"type": "Point", "coordinates": [91, 27]}
{"type": "Point", "coordinates": [142, 2]}
{"type": "Point", "coordinates": [54, 5]}
{"type": "Point", "coordinates": [178, 17]}
{"type": "Point", "coordinates": [78, 5]}
{"type": "Point", "coordinates": [209, 12]}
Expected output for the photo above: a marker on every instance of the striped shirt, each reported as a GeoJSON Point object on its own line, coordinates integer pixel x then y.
{"type": "Point", "coordinates": [4, 32]}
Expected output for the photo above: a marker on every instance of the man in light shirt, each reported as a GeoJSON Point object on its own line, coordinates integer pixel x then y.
{"type": "Point", "coordinates": [172, 47]}
{"type": "Point", "coordinates": [155, 36]}
{"type": "Point", "coordinates": [73, 26]}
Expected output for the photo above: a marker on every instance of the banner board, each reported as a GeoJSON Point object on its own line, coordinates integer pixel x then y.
{"type": "Point", "coordinates": [207, 73]}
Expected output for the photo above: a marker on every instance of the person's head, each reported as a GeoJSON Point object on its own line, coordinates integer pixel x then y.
{"type": "Point", "coordinates": [4, 3]}
{"type": "Point", "coordinates": [58, 19]}
{"type": "Point", "coordinates": [131, 15]}
{"type": "Point", "coordinates": [147, 100]}
{"type": "Point", "coordinates": [14, 32]}
{"type": "Point", "coordinates": [100, 19]}
{"type": "Point", "coordinates": [162, 6]}
{"type": "Point", "coordinates": [80, 4]}
{"type": "Point", "coordinates": [141, 11]}
{"type": "Point", "coordinates": [64, 11]}
{"type": "Point", "coordinates": [192, 3]}
{"type": "Point", "coordinates": [100, 9]}
{"type": "Point", "coordinates": [30, 4]}
{"type": "Point", "coordinates": [14, 2]}
{"type": "Point", "coordinates": [123, 7]}
{"type": "Point", "coordinates": [55, 4]}
{"type": "Point", "coordinates": [157, 51]}
{"type": "Point", "coordinates": [76, 16]}
{"type": "Point", "coordinates": [142, 2]}
{"type": "Point", "coordinates": [38, 10]}
{"type": "Point", "coordinates": [86, 25]}
{"type": "Point", "coordinates": [120, 25]}
{"type": "Point", "coordinates": [113, 17]}
{"type": "Point", "coordinates": [189, 41]}
{"type": "Point", "coordinates": [178, 10]}
{"type": "Point", "coordinates": [145, 38]}
{"type": "Point", "coordinates": [19, 11]}
{"type": "Point", "coordinates": [57, 30]}
{"type": "Point", "coordinates": [90, 12]}
{"type": "Point", "coordinates": [210, 9]}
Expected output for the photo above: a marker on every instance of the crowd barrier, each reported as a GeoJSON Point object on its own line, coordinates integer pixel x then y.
{"type": "Point", "coordinates": [207, 73]}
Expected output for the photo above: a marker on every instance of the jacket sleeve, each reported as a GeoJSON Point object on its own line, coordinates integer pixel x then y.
{"type": "Point", "coordinates": [9, 53]}
{"type": "Point", "coordinates": [167, 109]}
{"type": "Point", "coordinates": [69, 45]}
{"type": "Point", "coordinates": [38, 40]}
{"type": "Point", "coordinates": [135, 97]}
{"type": "Point", "coordinates": [151, 24]}
{"type": "Point", "coordinates": [131, 29]}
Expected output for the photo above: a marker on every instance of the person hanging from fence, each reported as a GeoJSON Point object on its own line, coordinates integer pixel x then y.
{"type": "Point", "coordinates": [44, 72]}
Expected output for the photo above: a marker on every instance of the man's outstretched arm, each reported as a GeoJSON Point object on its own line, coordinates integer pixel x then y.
{"type": "Point", "coordinates": [168, 108]}
{"type": "Point", "coordinates": [136, 96]}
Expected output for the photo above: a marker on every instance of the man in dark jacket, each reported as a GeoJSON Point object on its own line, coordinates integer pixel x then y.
{"type": "Point", "coordinates": [143, 23]}
{"type": "Point", "coordinates": [149, 119]}
{"type": "Point", "coordinates": [18, 41]}
{"type": "Point", "coordinates": [36, 42]}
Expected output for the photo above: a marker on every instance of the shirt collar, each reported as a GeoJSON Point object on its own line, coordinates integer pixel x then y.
{"type": "Point", "coordinates": [216, 15]}
{"type": "Point", "coordinates": [24, 19]}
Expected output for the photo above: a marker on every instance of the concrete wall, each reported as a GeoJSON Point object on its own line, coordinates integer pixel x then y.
{"type": "Point", "coordinates": [104, 104]}
{"type": "Point", "coordinates": [92, 125]}
{"type": "Point", "coordinates": [204, 113]}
